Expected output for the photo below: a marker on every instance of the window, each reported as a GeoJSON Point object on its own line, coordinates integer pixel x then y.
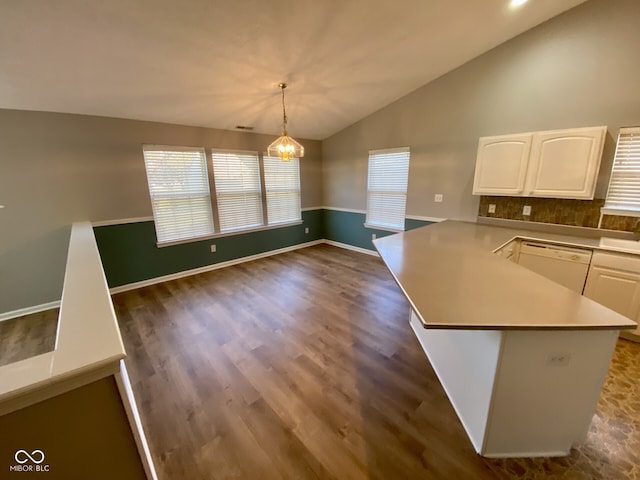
{"type": "Point", "coordinates": [179, 191]}
{"type": "Point", "coordinates": [623, 197]}
{"type": "Point", "coordinates": [238, 193]}
{"type": "Point", "coordinates": [282, 186]}
{"type": "Point", "coordinates": [387, 188]}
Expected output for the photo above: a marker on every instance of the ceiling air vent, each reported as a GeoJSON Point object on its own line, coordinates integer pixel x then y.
{"type": "Point", "coordinates": [243, 127]}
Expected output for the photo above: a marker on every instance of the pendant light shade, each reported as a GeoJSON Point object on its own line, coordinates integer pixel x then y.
{"type": "Point", "coordinates": [284, 146]}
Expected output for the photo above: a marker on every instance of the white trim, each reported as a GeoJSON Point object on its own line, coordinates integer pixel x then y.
{"type": "Point", "coordinates": [21, 312]}
{"type": "Point", "coordinates": [216, 266]}
{"type": "Point", "coordinates": [364, 212]}
{"type": "Point", "coordinates": [629, 130]}
{"type": "Point", "coordinates": [122, 221]}
{"type": "Point", "coordinates": [552, 453]}
{"type": "Point", "coordinates": [208, 268]}
{"type": "Point", "coordinates": [133, 416]}
{"type": "Point", "coordinates": [349, 210]}
{"type": "Point", "coordinates": [373, 226]}
{"type": "Point", "coordinates": [346, 246]}
{"type": "Point", "coordinates": [390, 150]}
{"type": "Point", "coordinates": [233, 151]}
{"type": "Point", "coordinates": [425, 219]}
{"type": "Point", "coordinates": [231, 233]}
{"type": "Point", "coordinates": [171, 148]}
{"type": "Point", "coordinates": [620, 212]}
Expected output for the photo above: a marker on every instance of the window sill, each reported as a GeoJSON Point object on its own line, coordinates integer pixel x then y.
{"type": "Point", "coordinates": [228, 234]}
{"type": "Point", "coordinates": [620, 212]}
{"type": "Point", "coordinates": [383, 227]}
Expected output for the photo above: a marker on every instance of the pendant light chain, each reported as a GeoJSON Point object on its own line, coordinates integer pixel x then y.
{"type": "Point", "coordinates": [284, 111]}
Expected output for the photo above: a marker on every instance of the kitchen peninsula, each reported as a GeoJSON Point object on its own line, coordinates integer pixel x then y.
{"type": "Point", "coordinates": [521, 358]}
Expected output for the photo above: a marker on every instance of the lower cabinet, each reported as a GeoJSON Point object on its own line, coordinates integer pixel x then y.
{"type": "Point", "coordinates": [614, 281]}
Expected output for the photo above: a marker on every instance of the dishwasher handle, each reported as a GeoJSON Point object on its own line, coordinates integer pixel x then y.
{"type": "Point", "coordinates": [559, 252]}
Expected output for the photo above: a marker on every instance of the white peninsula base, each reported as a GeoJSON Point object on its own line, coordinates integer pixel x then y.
{"type": "Point", "coordinates": [520, 393]}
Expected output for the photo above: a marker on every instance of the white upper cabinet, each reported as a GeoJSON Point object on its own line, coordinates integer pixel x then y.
{"type": "Point", "coordinates": [565, 163]}
{"type": "Point", "coordinates": [554, 164]}
{"type": "Point", "coordinates": [501, 165]}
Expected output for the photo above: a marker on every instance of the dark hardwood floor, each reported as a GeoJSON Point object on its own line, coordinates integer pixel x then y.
{"type": "Point", "coordinates": [303, 365]}
{"type": "Point", "coordinates": [28, 336]}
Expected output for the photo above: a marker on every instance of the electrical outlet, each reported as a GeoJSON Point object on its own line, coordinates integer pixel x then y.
{"type": "Point", "coordinates": [438, 198]}
{"type": "Point", "coordinates": [492, 208]}
{"type": "Point", "coordinates": [306, 229]}
{"type": "Point", "coordinates": [558, 359]}
{"type": "Point", "coordinates": [373, 236]}
{"type": "Point", "coordinates": [213, 248]}
{"type": "Point", "coordinates": [526, 211]}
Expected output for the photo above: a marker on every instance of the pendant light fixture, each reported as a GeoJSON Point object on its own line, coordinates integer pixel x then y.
{"type": "Point", "coordinates": [284, 146]}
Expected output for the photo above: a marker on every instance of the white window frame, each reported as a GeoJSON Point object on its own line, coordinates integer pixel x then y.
{"type": "Point", "coordinates": [230, 198]}
{"type": "Point", "coordinates": [623, 194]}
{"type": "Point", "coordinates": [189, 214]}
{"type": "Point", "coordinates": [282, 190]}
{"type": "Point", "coordinates": [387, 182]}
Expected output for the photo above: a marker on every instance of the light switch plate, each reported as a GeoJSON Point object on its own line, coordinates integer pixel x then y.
{"type": "Point", "coordinates": [492, 208]}
{"type": "Point", "coordinates": [526, 211]}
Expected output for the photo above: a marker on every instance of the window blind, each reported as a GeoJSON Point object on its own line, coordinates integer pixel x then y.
{"type": "Point", "coordinates": [623, 196]}
{"type": "Point", "coordinates": [179, 191]}
{"type": "Point", "coordinates": [238, 192]}
{"type": "Point", "coordinates": [387, 187]}
{"type": "Point", "coordinates": [282, 186]}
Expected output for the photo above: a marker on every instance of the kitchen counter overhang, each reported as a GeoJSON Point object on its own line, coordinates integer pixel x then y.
{"type": "Point", "coordinates": [521, 358]}
{"type": "Point", "coordinates": [452, 279]}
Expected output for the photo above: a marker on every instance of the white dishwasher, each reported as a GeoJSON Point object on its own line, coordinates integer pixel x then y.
{"type": "Point", "coordinates": [564, 265]}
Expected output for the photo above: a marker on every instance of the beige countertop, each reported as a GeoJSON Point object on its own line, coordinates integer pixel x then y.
{"type": "Point", "coordinates": [452, 279]}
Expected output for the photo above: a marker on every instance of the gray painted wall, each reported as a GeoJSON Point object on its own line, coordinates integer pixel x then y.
{"type": "Point", "coordinates": [579, 69]}
{"type": "Point", "coordinates": [58, 168]}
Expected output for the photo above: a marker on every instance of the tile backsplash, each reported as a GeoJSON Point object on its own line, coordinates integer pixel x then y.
{"type": "Point", "coordinates": [580, 213]}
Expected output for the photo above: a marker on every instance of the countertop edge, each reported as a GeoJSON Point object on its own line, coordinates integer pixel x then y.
{"type": "Point", "coordinates": [625, 323]}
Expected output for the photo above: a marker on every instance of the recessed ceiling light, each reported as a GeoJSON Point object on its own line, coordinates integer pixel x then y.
{"type": "Point", "coordinates": [517, 3]}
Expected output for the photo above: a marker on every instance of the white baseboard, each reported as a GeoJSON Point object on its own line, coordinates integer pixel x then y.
{"type": "Point", "coordinates": [425, 219]}
{"type": "Point", "coordinates": [29, 310]}
{"type": "Point", "coordinates": [351, 247]}
{"type": "Point", "coordinates": [552, 453]}
{"type": "Point", "coordinates": [185, 273]}
{"type": "Point", "coordinates": [208, 268]}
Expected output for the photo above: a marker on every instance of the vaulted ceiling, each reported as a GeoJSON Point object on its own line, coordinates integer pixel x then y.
{"type": "Point", "coordinates": [217, 63]}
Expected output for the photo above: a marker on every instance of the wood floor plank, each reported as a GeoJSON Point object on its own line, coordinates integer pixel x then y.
{"type": "Point", "coordinates": [27, 336]}
{"type": "Point", "coordinates": [303, 365]}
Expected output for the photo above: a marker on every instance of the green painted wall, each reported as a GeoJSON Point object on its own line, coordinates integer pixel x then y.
{"type": "Point", "coordinates": [348, 227]}
{"type": "Point", "coordinates": [129, 252]}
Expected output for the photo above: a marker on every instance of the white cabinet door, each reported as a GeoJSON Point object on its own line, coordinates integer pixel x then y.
{"type": "Point", "coordinates": [565, 163]}
{"type": "Point", "coordinates": [618, 290]}
{"type": "Point", "coordinates": [501, 165]}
